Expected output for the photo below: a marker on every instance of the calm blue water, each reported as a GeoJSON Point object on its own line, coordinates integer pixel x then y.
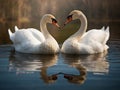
{"type": "Point", "coordinates": [65, 72]}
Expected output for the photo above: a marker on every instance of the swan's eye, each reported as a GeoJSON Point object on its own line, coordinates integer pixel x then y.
{"type": "Point", "coordinates": [69, 17]}
{"type": "Point", "coordinates": [54, 20]}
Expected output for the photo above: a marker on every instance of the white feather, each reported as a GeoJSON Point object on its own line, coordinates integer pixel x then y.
{"type": "Point", "coordinates": [33, 41]}
{"type": "Point", "coordinates": [82, 42]}
{"type": "Point", "coordinates": [16, 28]}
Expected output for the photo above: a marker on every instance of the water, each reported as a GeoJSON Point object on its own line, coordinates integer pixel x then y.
{"type": "Point", "coordinates": [53, 72]}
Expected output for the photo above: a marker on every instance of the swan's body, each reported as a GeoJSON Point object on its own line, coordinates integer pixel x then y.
{"type": "Point", "coordinates": [82, 42]}
{"type": "Point", "coordinates": [33, 41]}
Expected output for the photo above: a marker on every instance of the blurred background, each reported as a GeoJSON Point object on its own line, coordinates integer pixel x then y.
{"type": "Point", "coordinates": [27, 14]}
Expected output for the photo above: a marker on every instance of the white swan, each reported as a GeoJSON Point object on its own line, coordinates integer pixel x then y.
{"type": "Point", "coordinates": [82, 42]}
{"type": "Point", "coordinates": [33, 41]}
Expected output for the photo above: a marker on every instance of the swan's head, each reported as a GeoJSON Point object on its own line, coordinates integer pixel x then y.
{"type": "Point", "coordinates": [75, 14]}
{"type": "Point", "coordinates": [49, 18]}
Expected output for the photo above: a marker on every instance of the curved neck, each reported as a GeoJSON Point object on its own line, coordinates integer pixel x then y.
{"type": "Point", "coordinates": [44, 30]}
{"type": "Point", "coordinates": [82, 28]}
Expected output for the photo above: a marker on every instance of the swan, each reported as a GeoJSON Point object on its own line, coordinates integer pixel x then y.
{"type": "Point", "coordinates": [32, 41]}
{"type": "Point", "coordinates": [82, 42]}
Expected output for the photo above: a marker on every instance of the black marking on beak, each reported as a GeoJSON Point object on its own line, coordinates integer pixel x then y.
{"type": "Point", "coordinates": [70, 16]}
{"type": "Point", "coordinates": [54, 20]}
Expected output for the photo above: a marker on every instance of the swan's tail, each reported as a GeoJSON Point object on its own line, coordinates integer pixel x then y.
{"type": "Point", "coordinates": [107, 34]}
{"type": "Point", "coordinates": [11, 35]}
{"type": "Point", "coordinates": [107, 29]}
{"type": "Point", "coordinates": [103, 28]}
{"type": "Point", "coordinates": [16, 28]}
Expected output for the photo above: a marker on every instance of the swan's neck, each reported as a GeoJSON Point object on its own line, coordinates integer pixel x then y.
{"type": "Point", "coordinates": [43, 26]}
{"type": "Point", "coordinates": [50, 42]}
{"type": "Point", "coordinates": [82, 28]}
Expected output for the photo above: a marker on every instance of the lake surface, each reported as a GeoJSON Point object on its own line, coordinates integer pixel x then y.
{"type": "Point", "coordinates": [66, 72]}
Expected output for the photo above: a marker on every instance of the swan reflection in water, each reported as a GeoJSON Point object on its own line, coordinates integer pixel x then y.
{"type": "Point", "coordinates": [77, 79]}
{"type": "Point", "coordinates": [96, 63]}
{"type": "Point", "coordinates": [27, 63]}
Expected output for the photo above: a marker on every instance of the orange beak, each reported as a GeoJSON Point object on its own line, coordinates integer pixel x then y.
{"type": "Point", "coordinates": [67, 21]}
{"type": "Point", "coordinates": [56, 24]}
